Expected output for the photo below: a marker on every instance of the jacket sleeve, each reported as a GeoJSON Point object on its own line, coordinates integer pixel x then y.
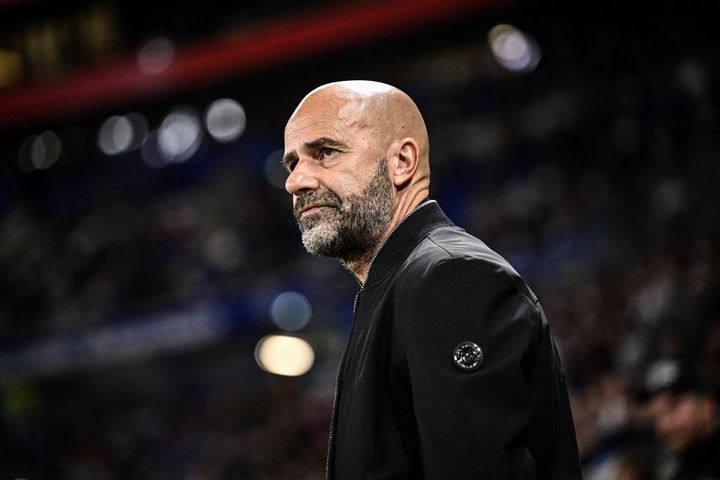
{"type": "Point", "coordinates": [510, 417]}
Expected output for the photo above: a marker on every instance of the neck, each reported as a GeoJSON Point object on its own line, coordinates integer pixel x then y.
{"type": "Point", "coordinates": [361, 267]}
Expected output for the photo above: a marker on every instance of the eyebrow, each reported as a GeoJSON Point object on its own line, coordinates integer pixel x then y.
{"type": "Point", "coordinates": [312, 145]}
{"type": "Point", "coordinates": [323, 142]}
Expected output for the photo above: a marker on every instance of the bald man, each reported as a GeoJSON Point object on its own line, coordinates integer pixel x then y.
{"type": "Point", "coordinates": [450, 371]}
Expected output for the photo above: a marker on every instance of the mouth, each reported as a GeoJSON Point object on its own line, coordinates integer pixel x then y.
{"type": "Point", "coordinates": [312, 209]}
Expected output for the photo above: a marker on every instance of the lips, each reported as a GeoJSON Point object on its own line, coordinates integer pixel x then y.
{"type": "Point", "coordinates": [312, 209]}
{"type": "Point", "coordinates": [308, 205]}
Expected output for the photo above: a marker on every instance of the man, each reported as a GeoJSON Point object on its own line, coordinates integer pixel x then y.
{"type": "Point", "coordinates": [450, 371]}
{"type": "Point", "coordinates": [685, 415]}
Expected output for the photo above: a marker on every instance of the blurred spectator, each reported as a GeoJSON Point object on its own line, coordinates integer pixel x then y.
{"type": "Point", "coordinates": [596, 175]}
{"type": "Point", "coordinates": [685, 414]}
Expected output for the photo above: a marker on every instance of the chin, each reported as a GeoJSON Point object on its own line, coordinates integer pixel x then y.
{"type": "Point", "coordinates": [319, 240]}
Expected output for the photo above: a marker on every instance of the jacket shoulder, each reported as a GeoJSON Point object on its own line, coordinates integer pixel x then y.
{"type": "Point", "coordinates": [453, 248]}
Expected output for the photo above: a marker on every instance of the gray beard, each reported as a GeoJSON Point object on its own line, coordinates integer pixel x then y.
{"type": "Point", "coordinates": [352, 228]}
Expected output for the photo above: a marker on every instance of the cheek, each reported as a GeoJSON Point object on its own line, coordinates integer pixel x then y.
{"type": "Point", "coordinates": [347, 179]}
{"type": "Point", "coordinates": [341, 185]}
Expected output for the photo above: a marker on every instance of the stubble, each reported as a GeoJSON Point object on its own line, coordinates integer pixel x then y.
{"type": "Point", "coordinates": [352, 227]}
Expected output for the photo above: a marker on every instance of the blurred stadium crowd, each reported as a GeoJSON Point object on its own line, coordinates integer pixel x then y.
{"type": "Point", "coordinates": [596, 175]}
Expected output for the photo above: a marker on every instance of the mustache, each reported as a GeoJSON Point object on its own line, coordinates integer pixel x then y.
{"type": "Point", "coordinates": [314, 199]}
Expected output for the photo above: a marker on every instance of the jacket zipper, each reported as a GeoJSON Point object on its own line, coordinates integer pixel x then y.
{"type": "Point", "coordinates": [331, 435]}
{"type": "Point", "coordinates": [372, 260]}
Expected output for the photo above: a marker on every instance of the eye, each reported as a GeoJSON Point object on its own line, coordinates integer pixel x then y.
{"type": "Point", "coordinates": [327, 152]}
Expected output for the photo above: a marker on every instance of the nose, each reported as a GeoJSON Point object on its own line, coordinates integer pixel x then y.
{"type": "Point", "coordinates": [302, 178]}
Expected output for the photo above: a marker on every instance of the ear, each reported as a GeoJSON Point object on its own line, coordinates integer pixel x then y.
{"type": "Point", "coordinates": [403, 161]}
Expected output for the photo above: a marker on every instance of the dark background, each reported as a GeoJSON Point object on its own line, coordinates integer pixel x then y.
{"type": "Point", "coordinates": [132, 297]}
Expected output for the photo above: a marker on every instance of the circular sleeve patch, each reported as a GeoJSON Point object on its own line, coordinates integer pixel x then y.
{"type": "Point", "coordinates": [468, 356]}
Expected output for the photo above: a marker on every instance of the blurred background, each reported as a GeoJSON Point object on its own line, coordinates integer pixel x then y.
{"type": "Point", "coordinates": [159, 318]}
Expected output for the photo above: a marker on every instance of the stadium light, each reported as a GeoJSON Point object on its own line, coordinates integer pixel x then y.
{"type": "Point", "coordinates": [179, 135]}
{"type": "Point", "coordinates": [284, 355]}
{"type": "Point", "coordinates": [225, 120]}
{"type": "Point", "coordinates": [513, 49]}
{"type": "Point", "coordinates": [291, 311]}
{"type": "Point", "coordinates": [122, 133]}
{"type": "Point", "coordinates": [39, 152]}
{"type": "Point", "coordinates": [156, 56]}
{"type": "Point", "coordinates": [274, 171]}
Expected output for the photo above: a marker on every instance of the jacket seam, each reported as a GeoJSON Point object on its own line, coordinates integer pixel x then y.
{"type": "Point", "coordinates": [519, 285]}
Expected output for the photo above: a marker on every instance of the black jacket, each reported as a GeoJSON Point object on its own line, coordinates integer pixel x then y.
{"type": "Point", "coordinates": [701, 462]}
{"type": "Point", "coordinates": [404, 409]}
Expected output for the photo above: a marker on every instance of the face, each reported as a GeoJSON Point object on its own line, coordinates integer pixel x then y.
{"type": "Point", "coordinates": [682, 420]}
{"type": "Point", "coordinates": [342, 194]}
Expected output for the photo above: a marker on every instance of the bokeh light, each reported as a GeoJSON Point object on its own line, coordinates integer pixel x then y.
{"type": "Point", "coordinates": [274, 171]}
{"type": "Point", "coordinates": [122, 133]}
{"type": "Point", "coordinates": [291, 311]}
{"type": "Point", "coordinates": [11, 67]}
{"type": "Point", "coordinates": [150, 151]}
{"type": "Point", "coordinates": [223, 248]}
{"type": "Point", "coordinates": [284, 355]}
{"type": "Point", "coordinates": [225, 120]}
{"type": "Point", "coordinates": [179, 135]}
{"type": "Point", "coordinates": [513, 49]}
{"type": "Point", "coordinates": [156, 55]}
{"type": "Point", "coordinates": [39, 152]}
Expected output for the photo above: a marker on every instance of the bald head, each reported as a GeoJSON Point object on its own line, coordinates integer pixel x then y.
{"type": "Point", "coordinates": [357, 156]}
{"type": "Point", "coordinates": [386, 111]}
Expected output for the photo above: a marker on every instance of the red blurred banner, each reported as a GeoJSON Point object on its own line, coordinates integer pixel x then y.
{"type": "Point", "coordinates": [285, 40]}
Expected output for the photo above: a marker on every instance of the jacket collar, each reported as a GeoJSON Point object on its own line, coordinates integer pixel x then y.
{"type": "Point", "coordinates": [403, 239]}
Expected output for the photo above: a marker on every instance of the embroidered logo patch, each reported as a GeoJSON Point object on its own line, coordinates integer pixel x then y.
{"type": "Point", "coordinates": [468, 356]}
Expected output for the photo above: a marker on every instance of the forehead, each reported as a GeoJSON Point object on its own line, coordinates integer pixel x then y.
{"type": "Point", "coordinates": [325, 115]}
